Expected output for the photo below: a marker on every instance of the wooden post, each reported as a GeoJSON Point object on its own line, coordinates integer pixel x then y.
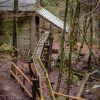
{"type": "Point", "coordinates": [46, 56]}
{"type": "Point", "coordinates": [30, 69]}
{"type": "Point", "coordinates": [33, 90]}
{"type": "Point", "coordinates": [23, 84]}
{"type": "Point", "coordinates": [13, 67]}
{"type": "Point", "coordinates": [35, 87]}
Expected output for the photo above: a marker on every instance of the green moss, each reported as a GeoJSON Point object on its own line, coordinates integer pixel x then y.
{"type": "Point", "coordinates": [6, 30]}
{"type": "Point", "coordinates": [7, 48]}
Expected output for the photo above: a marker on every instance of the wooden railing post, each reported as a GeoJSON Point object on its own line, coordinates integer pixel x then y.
{"type": "Point", "coordinates": [13, 69]}
{"type": "Point", "coordinates": [30, 69]}
{"type": "Point", "coordinates": [23, 83]}
{"type": "Point", "coordinates": [35, 87]}
{"type": "Point", "coordinates": [33, 91]}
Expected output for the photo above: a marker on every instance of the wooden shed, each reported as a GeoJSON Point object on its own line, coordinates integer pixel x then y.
{"type": "Point", "coordinates": [38, 21]}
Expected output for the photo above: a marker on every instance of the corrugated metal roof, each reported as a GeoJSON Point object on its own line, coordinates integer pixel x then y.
{"type": "Point", "coordinates": [52, 18]}
{"type": "Point", "coordinates": [8, 5]}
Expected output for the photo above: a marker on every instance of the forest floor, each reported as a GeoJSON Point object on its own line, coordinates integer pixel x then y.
{"type": "Point", "coordinates": [9, 90]}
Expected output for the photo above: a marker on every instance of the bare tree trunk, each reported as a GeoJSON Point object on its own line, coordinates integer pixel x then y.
{"type": "Point", "coordinates": [71, 43]}
{"type": "Point", "coordinates": [99, 28]}
{"type": "Point", "coordinates": [62, 49]}
{"type": "Point", "coordinates": [1, 29]}
{"type": "Point", "coordinates": [15, 31]}
{"type": "Point", "coordinates": [85, 29]}
{"type": "Point", "coordinates": [91, 36]}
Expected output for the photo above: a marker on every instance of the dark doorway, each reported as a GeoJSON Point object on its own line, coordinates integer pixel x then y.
{"type": "Point", "coordinates": [37, 22]}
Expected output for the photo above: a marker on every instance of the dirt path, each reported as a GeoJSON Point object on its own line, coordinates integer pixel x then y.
{"type": "Point", "coordinates": [9, 90]}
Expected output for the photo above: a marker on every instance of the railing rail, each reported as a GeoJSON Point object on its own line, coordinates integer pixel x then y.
{"type": "Point", "coordinates": [15, 73]}
{"type": "Point", "coordinates": [47, 78]}
{"type": "Point", "coordinates": [68, 96]}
